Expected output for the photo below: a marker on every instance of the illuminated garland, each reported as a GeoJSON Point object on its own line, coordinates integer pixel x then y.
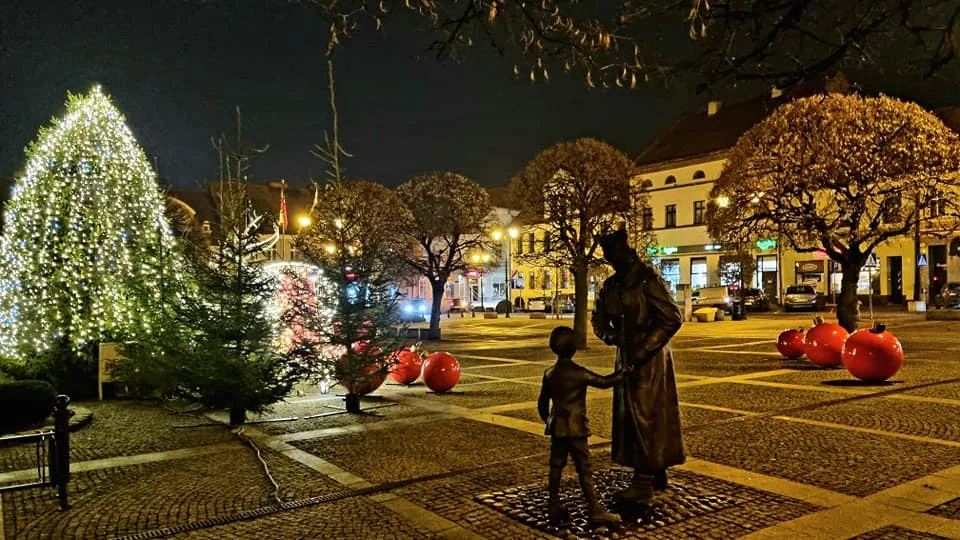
{"type": "Point", "coordinates": [84, 223]}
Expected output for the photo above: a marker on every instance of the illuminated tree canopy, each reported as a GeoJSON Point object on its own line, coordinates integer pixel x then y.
{"type": "Point", "coordinates": [85, 220]}
{"type": "Point", "coordinates": [841, 174]}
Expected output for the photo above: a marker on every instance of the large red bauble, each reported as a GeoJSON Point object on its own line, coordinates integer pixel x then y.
{"type": "Point", "coordinates": [365, 379]}
{"type": "Point", "coordinates": [872, 354]}
{"type": "Point", "coordinates": [441, 371]}
{"type": "Point", "coordinates": [823, 344]}
{"type": "Point", "coordinates": [408, 367]}
{"type": "Point", "coordinates": [790, 343]}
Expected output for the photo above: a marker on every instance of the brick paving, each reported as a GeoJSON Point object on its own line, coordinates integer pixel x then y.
{"type": "Point", "coordinates": [125, 428]}
{"type": "Point", "coordinates": [118, 501]}
{"type": "Point", "coordinates": [949, 509]}
{"type": "Point", "coordinates": [424, 449]}
{"type": "Point", "coordinates": [893, 532]}
{"type": "Point", "coordinates": [848, 462]}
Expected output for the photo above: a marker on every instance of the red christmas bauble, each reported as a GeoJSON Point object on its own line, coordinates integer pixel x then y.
{"type": "Point", "coordinates": [790, 343]}
{"type": "Point", "coordinates": [823, 344]}
{"type": "Point", "coordinates": [872, 354]}
{"type": "Point", "coordinates": [365, 378]}
{"type": "Point", "coordinates": [407, 368]}
{"type": "Point", "coordinates": [441, 371]}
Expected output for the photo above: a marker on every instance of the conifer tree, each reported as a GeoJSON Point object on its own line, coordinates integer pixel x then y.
{"type": "Point", "coordinates": [85, 220]}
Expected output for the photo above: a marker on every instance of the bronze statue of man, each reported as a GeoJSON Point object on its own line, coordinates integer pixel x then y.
{"type": "Point", "coordinates": [635, 311]}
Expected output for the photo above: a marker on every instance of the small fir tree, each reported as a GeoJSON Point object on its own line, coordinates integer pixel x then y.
{"type": "Point", "coordinates": [347, 323]}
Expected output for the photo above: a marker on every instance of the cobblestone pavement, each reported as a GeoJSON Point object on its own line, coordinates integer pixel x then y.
{"type": "Point", "coordinates": [764, 435]}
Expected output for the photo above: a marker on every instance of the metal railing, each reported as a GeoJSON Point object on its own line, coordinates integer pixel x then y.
{"type": "Point", "coordinates": [52, 450]}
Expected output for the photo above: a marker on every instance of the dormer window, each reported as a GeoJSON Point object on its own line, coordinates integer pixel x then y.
{"type": "Point", "coordinates": [699, 175]}
{"type": "Point", "coordinates": [670, 180]}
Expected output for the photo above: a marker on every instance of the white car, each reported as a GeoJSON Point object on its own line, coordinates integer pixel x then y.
{"type": "Point", "coordinates": [800, 297]}
{"type": "Point", "coordinates": [537, 304]}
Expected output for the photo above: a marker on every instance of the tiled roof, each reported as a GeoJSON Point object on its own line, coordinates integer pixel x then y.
{"type": "Point", "coordinates": [697, 134]}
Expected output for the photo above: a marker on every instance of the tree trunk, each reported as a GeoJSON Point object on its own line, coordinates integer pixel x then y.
{"type": "Point", "coordinates": [237, 416]}
{"type": "Point", "coordinates": [848, 313]}
{"type": "Point", "coordinates": [580, 305]}
{"type": "Point", "coordinates": [353, 403]}
{"type": "Point", "coordinates": [437, 287]}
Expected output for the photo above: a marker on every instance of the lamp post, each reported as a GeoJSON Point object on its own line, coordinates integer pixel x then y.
{"type": "Point", "coordinates": [498, 235]}
{"type": "Point", "coordinates": [477, 258]}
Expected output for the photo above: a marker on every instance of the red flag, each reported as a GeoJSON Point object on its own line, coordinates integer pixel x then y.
{"type": "Point", "coordinates": [282, 221]}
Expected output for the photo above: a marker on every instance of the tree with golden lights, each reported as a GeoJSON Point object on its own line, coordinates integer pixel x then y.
{"type": "Point", "coordinates": [839, 174]}
{"type": "Point", "coordinates": [578, 191]}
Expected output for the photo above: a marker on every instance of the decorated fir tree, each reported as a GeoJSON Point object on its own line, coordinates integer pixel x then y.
{"type": "Point", "coordinates": [84, 222]}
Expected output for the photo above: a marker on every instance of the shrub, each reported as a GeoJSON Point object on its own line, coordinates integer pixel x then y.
{"type": "Point", "coordinates": [32, 400]}
{"type": "Point", "coordinates": [71, 372]}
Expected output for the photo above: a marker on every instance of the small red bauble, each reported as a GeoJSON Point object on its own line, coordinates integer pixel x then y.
{"type": "Point", "coordinates": [823, 343]}
{"type": "Point", "coordinates": [364, 379]}
{"type": "Point", "coordinates": [872, 354]}
{"type": "Point", "coordinates": [407, 368]}
{"type": "Point", "coordinates": [441, 371]}
{"type": "Point", "coordinates": [790, 343]}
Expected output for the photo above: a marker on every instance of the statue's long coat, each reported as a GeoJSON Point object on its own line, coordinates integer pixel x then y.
{"type": "Point", "coordinates": [635, 309]}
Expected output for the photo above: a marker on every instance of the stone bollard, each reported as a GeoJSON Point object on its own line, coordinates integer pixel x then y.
{"type": "Point", "coordinates": [60, 473]}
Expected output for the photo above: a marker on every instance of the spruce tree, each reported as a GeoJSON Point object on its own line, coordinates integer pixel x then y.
{"type": "Point", "coordinates": [84, 222]}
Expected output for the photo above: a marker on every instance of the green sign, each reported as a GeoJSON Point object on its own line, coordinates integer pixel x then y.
{"type": "Point", "coordinates": [668, 250]}
{"type": "Point", "coordinates": [766, 244]}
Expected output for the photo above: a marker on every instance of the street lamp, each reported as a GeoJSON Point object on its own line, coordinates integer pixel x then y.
{"type": "Point", "coordinates": [477, 258]}
{"type": "Point", "coordinates": [304, 221]}
{"type": "Point", "coordinates": [498, 235]}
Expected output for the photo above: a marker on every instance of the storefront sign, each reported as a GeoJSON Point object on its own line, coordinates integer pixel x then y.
{"type": "Point", "coordinates": [766, 244]}
{"type": "Point", "coordinates": [810, 266]}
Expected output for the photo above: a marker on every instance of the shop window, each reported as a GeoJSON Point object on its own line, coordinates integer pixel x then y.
{"type": "Point", "coordinates": [670, 270]}
{"type": "Point", "coordinates": [698, 273]}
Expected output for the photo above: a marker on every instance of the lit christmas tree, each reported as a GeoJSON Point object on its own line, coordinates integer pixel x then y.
{"type": "Point", "coordinates": [86, 247]}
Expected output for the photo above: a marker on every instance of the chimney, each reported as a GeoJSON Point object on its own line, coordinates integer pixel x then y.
{"type": "Point", "coordinates": [713, 107]}
{"type": "Point", "coordinates": [775, 92]}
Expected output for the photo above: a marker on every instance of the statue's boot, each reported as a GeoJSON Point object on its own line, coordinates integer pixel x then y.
{"type": "Point", "coordinates": [660, 479]}
{"type": "Point", "coordinates": [640, 490]}
{"type": "Point", "coordinates": [601, 518]}
{"type": "Point", "coordinates": [557, 514]}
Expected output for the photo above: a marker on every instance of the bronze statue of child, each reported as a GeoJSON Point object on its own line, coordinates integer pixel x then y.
{"type": "Point", "coordinates": [565, 386]}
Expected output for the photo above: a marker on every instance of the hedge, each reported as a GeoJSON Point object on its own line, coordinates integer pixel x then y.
{"type": "Point", "coordinates": [25, 403]}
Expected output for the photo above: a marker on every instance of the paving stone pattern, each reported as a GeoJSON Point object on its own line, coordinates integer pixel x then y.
{"type": "Point", "coordinates": [600, 415]}
{"type": "Point", "coordinates": [934, 420]}
{"type": "Point", "coordinates": [344, 519]}
{"type": "Point", "coordinates": [893, 532]}
{"type": "Point", "coordinates": [119, 501]}
{"type": "Point", "coordinates": [853, 463]}
{"type": "Point", "coordinates": [680, 502]}
{"type": "Point", "coordinates": [302, 408]}
{"type": "Point", "coordinates": [424, 449]}
{"type": "Point", "coordinates": [752, 398]}
{"type": "Point", "coordinates": [949, 509]}
{"type": "Point", "coordinates": [124, 428]}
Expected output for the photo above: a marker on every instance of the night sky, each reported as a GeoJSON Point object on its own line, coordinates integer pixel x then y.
{"type": "Point", "coordinates": [177, 68]}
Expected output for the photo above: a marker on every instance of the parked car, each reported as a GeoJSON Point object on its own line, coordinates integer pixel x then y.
{"type": "Point", "coordinates": [567, 304]}
{"type": "Point", "coordinates": [800, 297]}
{"type": "Point", "coordinates": [414, 310]}
{"type": "Point", "coordinates": [538, 304]}
{"type": "Point", "coordinates": [755, 299]}
{"type": "Point", "coordinates": [717, 297]}
{"type": "Point", "coordinates": [948, 297]}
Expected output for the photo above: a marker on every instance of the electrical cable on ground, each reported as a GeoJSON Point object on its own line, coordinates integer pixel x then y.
{"type": "Point", "coordinates": [263, 463]}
